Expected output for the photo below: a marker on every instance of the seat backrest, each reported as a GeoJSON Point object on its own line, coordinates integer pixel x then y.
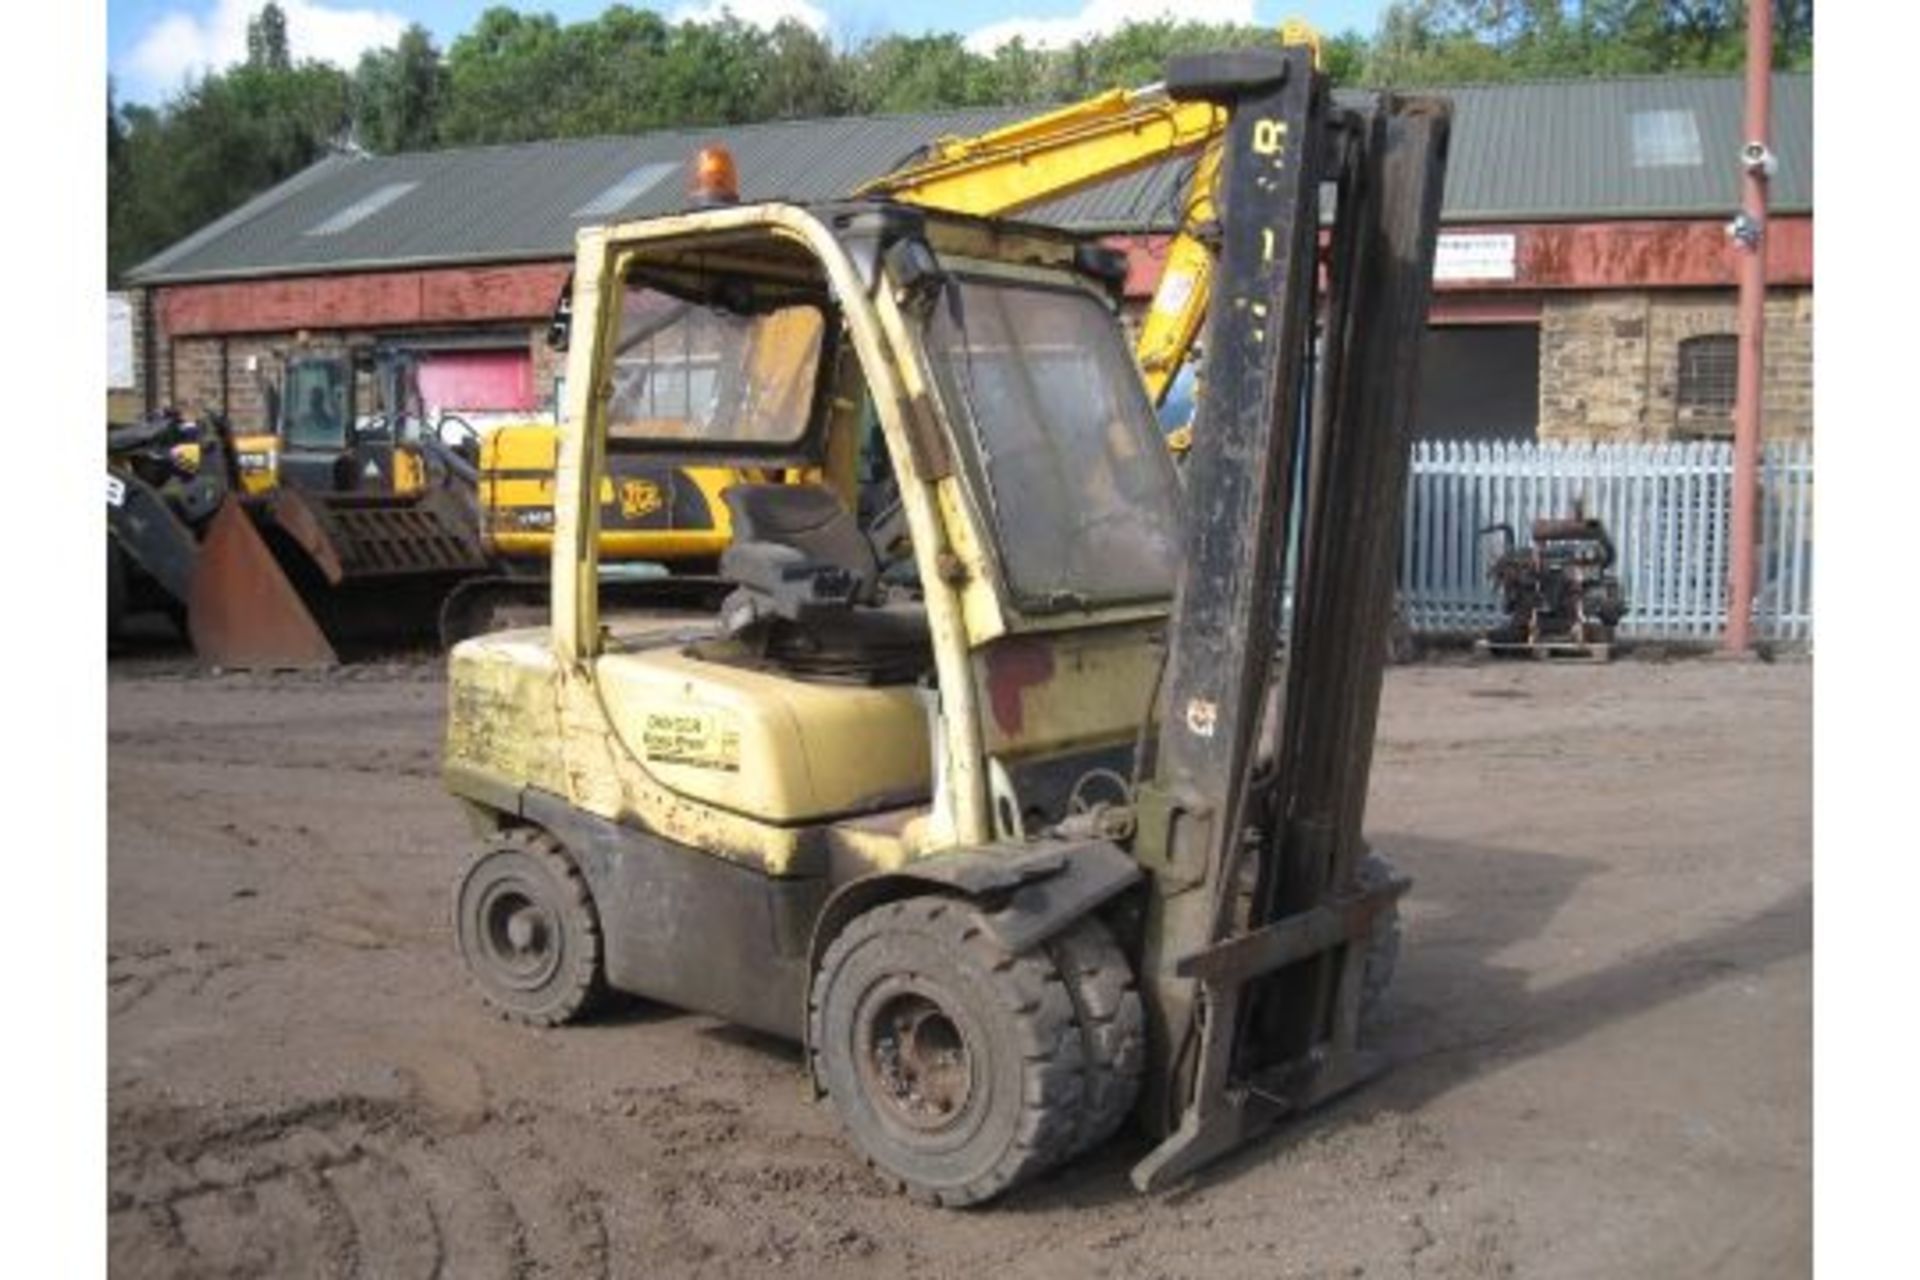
{"type": "Point", "coordinates": [808, 519]}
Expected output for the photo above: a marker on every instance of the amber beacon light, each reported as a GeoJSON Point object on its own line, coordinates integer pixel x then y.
{"type": "Point", "coordinates": [715, 180]}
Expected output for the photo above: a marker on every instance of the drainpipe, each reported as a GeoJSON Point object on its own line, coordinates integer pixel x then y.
{"type": "Point", "coordinates": [1749, 235]}
{"type": "Point", "coordinates": [149, 375]}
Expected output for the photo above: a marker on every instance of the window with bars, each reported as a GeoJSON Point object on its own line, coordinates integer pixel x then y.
{"type": "Point", "coordinates": [1704, 392]}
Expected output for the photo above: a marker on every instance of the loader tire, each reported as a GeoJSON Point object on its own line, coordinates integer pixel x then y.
{"type": "Point", "coordinates": [116, 588]}
{"type": "Point", "coordinates": [528, 931]}
{"type": "Point", "coordinates": [1113, 1028]}
{"type": "Point", "coordinates": [957, 1068]}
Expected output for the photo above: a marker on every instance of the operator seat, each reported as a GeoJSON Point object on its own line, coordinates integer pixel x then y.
{"type": "Point", "coordinates": [807, 596]}
{"type": "Point", "coordinates": [802, 518]}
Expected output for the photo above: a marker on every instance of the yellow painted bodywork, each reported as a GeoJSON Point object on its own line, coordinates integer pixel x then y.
{"type": "Point", "coordinates": [1097, 690]}
{"type": "Point", "coordinates": [621, 718]}
{"type": "Point", "coordinates": [876, 333]}
{"type": "Point", "coordinates": [409, 472]}
{"type": "Point", "coordinates": [257, 458]}
{"type": "Point", "coordinates": [520, 717]}
{"type": "Point", "coordinates": [518, 466]}
{"type": "Point", "coordinates": [766, 745]}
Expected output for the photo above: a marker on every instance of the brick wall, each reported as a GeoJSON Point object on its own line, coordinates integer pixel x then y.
{"type": "Point", "coordinates": [548, 366]}
{"type": "Point", "coordinates": [193, 380]}
{"type": "Point", "coordinates": [190, 369]}
{"type": "Point", "coordinates": [1609, 362]}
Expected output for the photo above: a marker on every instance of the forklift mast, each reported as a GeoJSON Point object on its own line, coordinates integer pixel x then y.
{"type": "Point", "coordinates": [1257, 922]}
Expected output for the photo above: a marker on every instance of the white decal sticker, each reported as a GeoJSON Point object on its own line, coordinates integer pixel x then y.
{"type": "Point", "coordinates": [1173, 293]}
{"type": "Point", "coordinates": [116, 490]}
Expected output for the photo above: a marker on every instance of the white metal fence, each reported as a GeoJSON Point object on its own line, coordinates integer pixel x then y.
{"type": "Point", "coordinates": [1666, 507]}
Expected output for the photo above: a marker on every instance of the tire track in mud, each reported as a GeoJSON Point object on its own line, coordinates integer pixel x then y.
{"type": "Point", "coordinates": [138, 973]}
{"type": "Point", "coordinates": [350, 1186]}
{"type": "Point", "coordinates": [359, 1186]}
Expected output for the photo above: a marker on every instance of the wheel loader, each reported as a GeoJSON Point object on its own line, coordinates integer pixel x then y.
{"type": "Point", "coordinates": [352, 518]}
{"type": "Point", "coordinates": [344, 523]}
{"type": "Point", "coordinates": [484, 497]}
{"type": "Point", "coordinates": [983, 786]}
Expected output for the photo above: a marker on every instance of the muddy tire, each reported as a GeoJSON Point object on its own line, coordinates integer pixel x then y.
{"type": "Point", "coordinates": [1383, 948]}
{"type": "Point", "coordinates": [528, 931]}
{"type": "Point", "coordinates": [1113, 1028]}
{"type": "Point", "coordinates": [957, 1068]}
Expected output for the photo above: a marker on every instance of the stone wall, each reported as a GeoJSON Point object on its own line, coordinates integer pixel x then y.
{"type": "Point", "coordinates": [1609, 362]}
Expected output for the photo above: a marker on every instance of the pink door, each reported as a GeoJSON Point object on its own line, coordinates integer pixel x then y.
{"type": "Point", "coordinates": [498, 381]}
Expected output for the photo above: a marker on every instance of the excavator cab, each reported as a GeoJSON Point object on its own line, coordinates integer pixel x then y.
{"type": "Point", "coordinates": [988, 791]}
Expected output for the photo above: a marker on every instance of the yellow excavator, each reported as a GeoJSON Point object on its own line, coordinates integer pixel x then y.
{"type": "Point", "coordinates": [1047, 157]}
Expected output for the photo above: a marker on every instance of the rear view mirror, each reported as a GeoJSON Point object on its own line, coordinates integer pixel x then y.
{"type": "Point", "coordinates": [916, 273]}
{"type": "Point", "coordinates": [560, 326]}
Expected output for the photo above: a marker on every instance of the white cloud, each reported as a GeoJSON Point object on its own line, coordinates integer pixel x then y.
{"type": "Point", "coordinates": [1100, 17]}
{"type": "Point", "coordinates": [765, 14]}
{"type": "Point", "coordinates": [183, 43]}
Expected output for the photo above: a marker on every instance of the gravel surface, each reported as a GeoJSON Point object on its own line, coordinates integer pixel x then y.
{"type": "Point", "coordinates": [1601, 1025]}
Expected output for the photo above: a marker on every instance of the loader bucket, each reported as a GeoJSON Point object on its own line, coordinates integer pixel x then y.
{"type": "Point", "coordinates": [322, 574]}
{"type": "Point", "coordinates": [241, 609]}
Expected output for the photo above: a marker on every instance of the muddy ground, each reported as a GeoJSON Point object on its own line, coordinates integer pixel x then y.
{"type": "Point", "coordinates": [1602, 1023]}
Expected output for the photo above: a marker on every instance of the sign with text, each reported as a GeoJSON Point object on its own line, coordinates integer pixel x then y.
{"type": "Point", "coordinates": [1474, 257]}
{"type": "Point", "coordinates": [119, 342]}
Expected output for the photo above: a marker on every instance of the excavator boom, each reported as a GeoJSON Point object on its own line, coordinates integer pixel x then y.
{"type": "Point", "coordinates": [1057, 153]}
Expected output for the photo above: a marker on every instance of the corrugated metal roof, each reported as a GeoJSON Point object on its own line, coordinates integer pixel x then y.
{"type": "Point", "coordinates": [1566, 149]}
{"type": "Point", "coordinates": [1550, 150]}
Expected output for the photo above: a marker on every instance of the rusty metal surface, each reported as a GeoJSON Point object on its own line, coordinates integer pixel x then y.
{"type": "Point", "coordinates": [243, 611]}
{"type": "Point", "coordinates": [1560, 591]}
{"type": "Point", "coordinates": [356, 536]}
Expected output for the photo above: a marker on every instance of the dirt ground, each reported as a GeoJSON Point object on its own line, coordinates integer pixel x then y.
{"type": "Point", "coordinates": [1602, 1023]}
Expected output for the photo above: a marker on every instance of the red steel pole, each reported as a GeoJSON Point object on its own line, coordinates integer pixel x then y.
{"type": "Point", "coordinates": [1749, 234]}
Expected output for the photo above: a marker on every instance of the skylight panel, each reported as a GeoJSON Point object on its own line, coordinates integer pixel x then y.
{"type": "Point", "coordinates": [1665, 140]}
{"type": "Point", "coordinates": [362, 209]}
{"type": "Point", "coordinates": [625, 191]}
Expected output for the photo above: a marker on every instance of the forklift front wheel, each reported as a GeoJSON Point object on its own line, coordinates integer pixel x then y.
{"type": "Point", "coordinates": [528, 931]}
{"type": "Point", "coordinates": [956, 1067]}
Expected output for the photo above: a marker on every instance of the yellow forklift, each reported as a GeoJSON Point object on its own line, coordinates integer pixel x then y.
{"type": "Point", "coordinates": [984, 786]}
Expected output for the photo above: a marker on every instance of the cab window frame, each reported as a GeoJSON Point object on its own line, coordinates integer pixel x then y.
{"type": "Point", "coordinates": [629, 270]}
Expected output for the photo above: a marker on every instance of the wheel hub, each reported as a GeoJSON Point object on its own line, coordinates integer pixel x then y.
{"type": "Point", "coordinates": [916, 1061]}
{"type": "Point", "coordinates": [526, 930]}
{"type": "Point", "coordinates": [518, 938]}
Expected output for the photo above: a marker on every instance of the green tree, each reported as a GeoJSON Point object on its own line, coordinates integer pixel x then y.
{"type": "Point", "coordinates": [799, 76]}
{"type": "Point", "coordinates": [397, 94]}
{"type": "Point", "coordinates": [917, 73]}
{"type": "Point", "coordinates": [1456, 41]}
{"type": "Point", "coordinates": [267, 39]}
{"type": "Point", "coordinates": [221, 141]}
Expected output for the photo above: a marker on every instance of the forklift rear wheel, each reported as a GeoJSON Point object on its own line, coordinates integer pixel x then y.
{"type": "Point", "coordinates": [528, 931]}
{"type": "Point", "coordinates": [956, 1067]}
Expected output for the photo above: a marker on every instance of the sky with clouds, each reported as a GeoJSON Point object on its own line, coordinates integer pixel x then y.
{"type": "Point", "coordinates": [153, 46]}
